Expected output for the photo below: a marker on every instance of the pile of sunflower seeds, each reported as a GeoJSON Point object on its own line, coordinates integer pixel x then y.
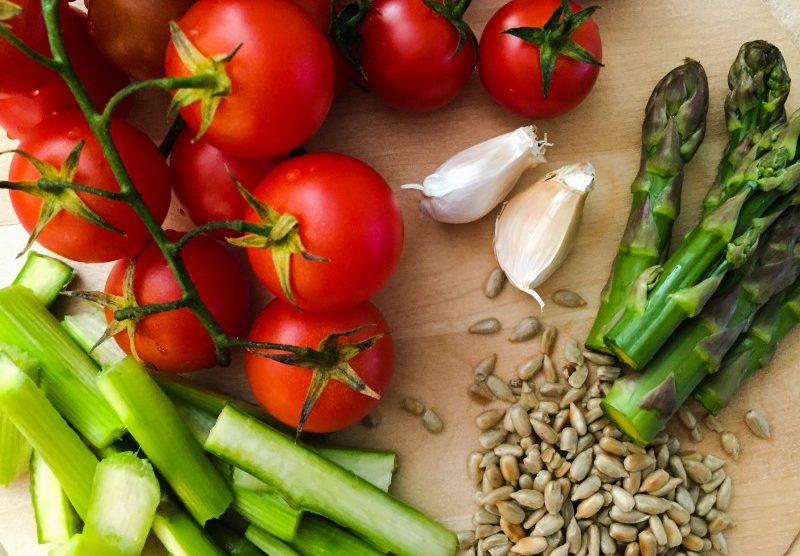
{"type": "Point", "coordinates": [555, 477]}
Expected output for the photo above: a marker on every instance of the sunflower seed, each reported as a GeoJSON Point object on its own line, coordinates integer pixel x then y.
{"type": "Point", "coordinates": [713, 423]}
{"type": "Point", "coordinates": [542, 478]}
{"type": "Point", "coordinates": [713, 462]}
{"type": "Point", "coordinates": [673, 532]}
{"type": "Point", "coordinates": [716, 480]}
{"type": "Point", "coordinates": [530, 546]}
{"type": "Point", "coordinates": [568, 298]}
{"type": "Point", "coordinates": [572, 396]}
{"type": "Point", "coordinates": [485, 367]}
{"type": "Point", "coordinates": [568, 440]}
{"type": "Point", "coordinates": [613, 446]}
{"type": "Point", "coordinates": [578, 378]}
{"type": "Point", "coordinates": [720, 543]}
{"type": "Point", "coordinates": [693, 543]}
{"type": "Point", "coordinates": [678, 514]}
{"type": "Point", "coordinates": [513, 531]}
{"type": "Point", "coordinates": [573, 536]}
{"type": "Point", "coordinates": [544, 431]}
{"type": "Point", "coordinates": [607, 373]}
{"type": "Point", "coordinates": [731, 445]}
{"type": "Point", "coordinates": [511, 511]}
{"type": "Point", "coordinates": [485, 326]}
{"type": "Point", "coordinates": [489, 418]}
{"type": "Point", "coordinates": [658, 530]}
{"type": "Point", "coordinates": [413, 406]}
{"type": "Point", "coordinates": [479, 393]}
{"type": "Point", "coordinates": [527, 329]}
{"type": "Point", "coordinates": [705, 503]}
{"type": "Point", "coordinates": [632, 549]}
{"type": "Point", "coordinates": [697, 471]}
{"type": "Point", "coordinates": [598, 358]}
{"type": "Point", "coordinates": [684, 498]}
{"type": "Point", "coordinates": [589, 507]}
{"type": "Point", "coordinates": [433, 423]}
{"type": "Point", "coordinates": [500, 389]}
{"type": "Point", "coordinates": [533, 518]}
{"type": "Point", "coordinates": [473, 467]}
{"type": "Point", "coordinates": [687, 417]}
{"type": "Point", "coordinates": [562, 550]}
{"type": "Point", "coordinates": [577, 419]}
{"type": "Point", "coordinates": [495, 283]}
{"type": "Point", "coordinates": [719, 523]}
{"type": "Point", "coordinates": [651, 504]}
{"type": "Point", "coordinates": [497, 495]}
{"type": "Point", "coordinates": [548, 525]}
{"type": "Point", "coordinates": [724, 494]}
{"type": "Point", "coordinates": [548, 370]}
{"type": "Point", "coordinates": [509, 469]}
{"type": "Point", "coordinates": [610, 466]}
{"type": "Point", "coordinates": [492, 438]}
{"type": "Point", "coordinates": [629, 518]}
{"type": "Point", "coordinates": [622, 498]}
{"type": "Point", "coordinates": [757, 423]}
{"type": "Point", "coordinates": [648, 546]}
{"type": "Point", "coordinates": [593, 545]}
{"type": "Point", "coordinates": [465, 539]}
{"type": "Point", "coordinates": [552, 389]}
{"type": "Point", "coordinates": [483, 517]}
{"type": "Point", "coordinates": [654, 481]}
{"type": "Point", "coordinates": [581, 465]}
{"type": "Point", "coordinates": [594, 414]}
{"type": "Point", "coordinates": [493, 541]}
{"type": "Point", "coordinates": [623, 533]}
{"type": "Point", "coordinates": [528, 498]}
{"type": "Point", "coordinates": [482, 531]}
{"type": "Point", "coordinates": [632, 482]}
{"type": "Point", "coordinates": [638, 462]}
{"type": "Point", "coordinates": [553, 497]}
{"type": "Point", "coordinates": [549, 337]}
{"type": "Point", "coordinates": [528, 368]}
{"type": "Point", "coordinates": [698, 526]}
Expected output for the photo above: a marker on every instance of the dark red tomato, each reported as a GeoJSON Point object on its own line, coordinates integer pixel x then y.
{"type": "Point", "coordinates": [510, 70]}
{"type": "Point", "coordinates": [320, 12]}
{"type": "Point", "coordinates": [281, 389]}
{"type": "Point", "coordinates": [18, 73]}
{"type": "Point", "coordinates": [22, 112]}
{"type": "Point", "coordinates": [71, 236]}
{"type": "Point", "coordinates": [346, 213]}
{"type": "Point", "coordinates": [138, 48]}
{"type": "Point", "coordinates": [203, 185]}
{"type": "Point", "coordinates": [282, 77]}
{"type": "Point", "coordinates": [175, 341]}
{"type": "Point", "coordinates": [407, 55]}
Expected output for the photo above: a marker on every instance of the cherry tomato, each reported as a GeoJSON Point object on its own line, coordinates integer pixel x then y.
{"type": "Point", "coordinates": [510, 69]}
{"type": "Point", "coordinates": [203, 184]}
{"type": "Point", "coordinates": [408, 55]}
{"type": "Point", "coordinates": [346, 213]}
{"type": "Point", "coordinates": [320, 12]}
{"type": "Point", "coordinates": [175, 341]}
{"type": "Point", "coordinates": [139, 48]}
{"type": "Point", "coordinates": [18, 73]}
{"type": "Point", "coordinates": [281, 78]}
{"type": "Point", "coordinates": [281, 389]}
{"type": "Point", "coordinates": [22, 112]}
{"type": "Point", "coordinates": [69, 235]}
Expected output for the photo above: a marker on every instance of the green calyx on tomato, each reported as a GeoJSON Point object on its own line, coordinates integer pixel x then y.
{"type": "Point", "coordinates": [280, 234]}
{"type": "Point", "coordinates": [8, 10]}
{"type": "Point", "coordinates": [553, 39]}
{"type": "Point", "coordinates": [330, 361]}
{"type": "Point", "coordinates": [453, 11]}
{"type": "Point", "coordinates": [199, 64]}
{"type": "Point", "coordinates": [53, 187]}
{"type": "Point", "coordinates": [344, 31]}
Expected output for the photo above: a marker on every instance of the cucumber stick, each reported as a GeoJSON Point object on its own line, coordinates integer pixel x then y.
{"type": "Point", "coordinates": [15, 451]}
{"type": "Point", "coordinates": [44, 276]}
{"type": "Point", "coordinates": [156, 425]}
{"type": "Point", "coordinates": [56, 520]}
{"type": "Point", "coordinates": [26, 406]}
{"type": "Point", "coordinates": [269, 544]}
{"type": "Point", "coordinates": [125, 495]}
{"type": "Point", "coordinates": [335, 493]}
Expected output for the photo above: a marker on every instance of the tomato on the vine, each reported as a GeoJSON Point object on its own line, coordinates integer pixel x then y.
{"type": "Point", "coordinates": [60, 217]}
{"type": "Point", "coordinates": [283, 389]}
{"type": "Point", "coordinates": [22, 112]}
{"type": "Point", "coordinates": [273, 69]}
{"type": "Point", "coordinates": [176, 341]}
{"type": "Point", "coordinates": [18, 73]}
{"type": "Point", "coordinates": [417, 55]}
{"type": "Point", "coordinates": [345, 213]}
{"type": "Point", "coordinates": [320, 12]}
{"type": "Point", "coordinates": [515, 73]}
{"type": "Point", "coordinates": [205, 187]}
{"type": "Point", "coordinates": [139, 48]}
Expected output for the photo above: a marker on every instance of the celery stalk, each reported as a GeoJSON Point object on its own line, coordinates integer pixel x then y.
{"type": "Point", "coordinates": [125, 495]}
{"type": "Point", "coordinates": [86, 329]}
{"type": "Point", "coordinates": [71, 461]}
{"type": "Point", "coordinates": [67, 373]}
{"type": "Point", "coordinates": [56, 520]}
{"type": "Point", "coordinates": [15, 452]}
{"type": "Point", "coordinates": [269, 544]}
{"type": "Point", "coordinates": [156, 425]}
{"type": "Point", "coordinates": [319, 537]}
{"type": "Point", "coordinates": [374, 466]}
{"type": "Point", "coordinates": [190, 393]}
{"type": "Point", "coordinates": [44, 276]}
{"type": "Point", "coordinates": [267, 510]}
{"type": "Point", "coordinates": [335, 493]}
{"type": "Point", "coordinates": [235, 544]}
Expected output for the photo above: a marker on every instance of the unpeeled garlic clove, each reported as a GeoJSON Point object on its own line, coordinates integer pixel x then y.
{"type": "Point", "coordinates": [536, 229]}
{"type": "Point", "coordinates": [474, 181]}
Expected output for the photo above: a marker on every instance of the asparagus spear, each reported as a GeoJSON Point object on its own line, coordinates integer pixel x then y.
{"type": "Point", "coordinates": [753, 350]}
{"type": "Point", "coordinates": [674, 126]}
{"type": "Point", "coordinates": [642, 404]}
{"type": "Point", "coordinates": [759, 84]}
{"type": "Point", "coordinates": [764, 180]}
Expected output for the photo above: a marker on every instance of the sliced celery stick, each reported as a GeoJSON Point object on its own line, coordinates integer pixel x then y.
{"type": "Point", "coordinates": [71, 461]}
{"type": "Point", "coordinates": [270, 544]}
{"type": "Point", "coordinates": [67, 374]}
{"type": "Point", "coordinates": [15, 452]}
{"type": "Point", "coordinates": [159, 429]}
{"type": "Point", "coordinates": [374, 466]}
{"type": "Point", "coordinates": [334, 492]}
{"type": "Point", "coordinates": [86, 329]}
{"type": "Point", "coordinates": [180, 534]}
{"type": "Point", "coordinates": [56, 520]}
{"type": "Point", "coordinates": [70, 548]}
{"type": "Point", "coordinates": [267, 510]}
{"type": "Point", "coordinates": [319, 537]}
{"type": "Point", "coordinates": [44, 276]}
{"type": "Point", "coordinates": [125, 495]}
{"type": "Point", "coordinates": [235, 543]}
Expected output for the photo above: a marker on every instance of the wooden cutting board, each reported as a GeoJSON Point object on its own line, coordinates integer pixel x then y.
{"type": "Point", "coordinates": [437, 291]}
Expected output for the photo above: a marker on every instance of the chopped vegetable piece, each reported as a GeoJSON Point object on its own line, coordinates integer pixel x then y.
{"type": "Point", "coordinates": [374, 466]}
{"type": "Point", "coordinates": [335, 493]}
{"type": "Point", "coordinates": [235, 544]}
{"type": "Point", "coordinates": [86, 329]}
{"type": "Point", "coordinates": [71, 461]}
{"type": "Point", "coordinates": [180, 534]}
{"type": "Point", "coordinates": [44, 276]}
{"type": "Point", "coordinates": [208, 400]}
{"type": "Point", "coordinates": [15, 452]}
{"type": "Point", "coordinates": [159, 429]}
{"type": "Point", "coordinates": [319, 537]}
{"type": "Point", "coordinates": [56, 520]}
{"type": "Point", "coordinates": [269, 544]}
{"type": "Point", "coordinates": [125, 495]}
{"type": "Point", "coordinates": [268, 511]}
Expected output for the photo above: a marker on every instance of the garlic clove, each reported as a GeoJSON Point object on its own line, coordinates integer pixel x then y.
{"type": "Point", "coordinates": [474, 181]}
{"type": "Point", "coordinates": [536, 229]}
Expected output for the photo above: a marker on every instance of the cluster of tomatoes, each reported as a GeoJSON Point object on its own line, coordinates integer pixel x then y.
{"type": "Point", "coordinates": [271, 68]}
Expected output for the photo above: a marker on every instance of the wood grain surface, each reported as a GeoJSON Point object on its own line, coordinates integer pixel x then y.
{"type": "Point", "coordinates": [436, 293]}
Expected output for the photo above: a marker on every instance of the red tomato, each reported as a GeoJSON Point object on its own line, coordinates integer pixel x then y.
{"type": "Point", "coordinates": [510, 70]}
{"type": "Point", "coordinates": [320, 12]}
{"type": "Point", "coordinates": [282, 77]}
{"type": "Point", "coordinates": [175, 341]}
{"type": "Point", "coordinates": [281, 389]}
{"type": "Point", "coordinates": [22, 112]}
{"type": "Point", "coordinates": [407, 55]}
{"type": "Point", "coordinates": [71, 236]}
{"type": "Point", "coordinates": [346, 213]}
{"type": "Point", "coordinates": [18, 73]}
{"type": "Point", "coordinates": [203, 185]}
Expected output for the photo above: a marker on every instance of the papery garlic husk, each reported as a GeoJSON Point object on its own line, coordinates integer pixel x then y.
{"type": "Point", "coordinates": [535, 231]}
{"type": "Point", "coordinates": [474, 181]}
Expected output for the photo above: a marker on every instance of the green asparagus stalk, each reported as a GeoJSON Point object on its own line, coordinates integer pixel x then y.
{"type": "Point", "coordinates": [44, 276]}
{"type": "Point", "coordinates": [125, 495]}
{"type": "Point", "coordinates": [640, 405]}
{"type": "Point", "coordinates": [336, 493]}
{"type": "Point", "coordinates": [663, 297]}
{"type": "Point", "coordinates": [56, 520]}
{"type": "Point", "coordinates": [156, 425]}
{"type": "Point", "coordinates": [674, 126]}
{"type": "Point", "coordinates": [60, 447]}
{"type": "Point", "coordinates": [759, 84]}
{"type": "Point", "coordinates": [15, 452]}
{"type": "Point", "coordinates": [753, 350]}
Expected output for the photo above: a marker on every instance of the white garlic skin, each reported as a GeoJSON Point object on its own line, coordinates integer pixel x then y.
{"type": "Point", "coordinates": [474, 181]}
{"type": "Point", "coordinates": [536, 229]}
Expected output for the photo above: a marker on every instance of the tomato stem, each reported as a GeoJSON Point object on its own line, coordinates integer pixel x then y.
{"type": "Point", "coordinates": [5, 32]}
